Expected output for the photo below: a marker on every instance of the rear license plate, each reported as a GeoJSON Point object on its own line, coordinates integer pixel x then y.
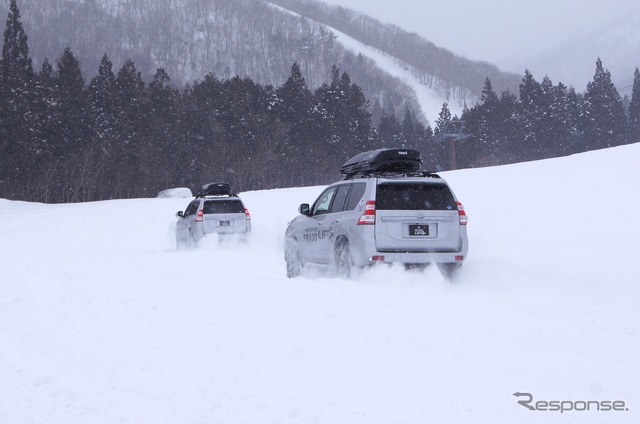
{"type": "Point", "coordinates": [225, 223]}
{"type": "Point", "coordinates": [418, 230]}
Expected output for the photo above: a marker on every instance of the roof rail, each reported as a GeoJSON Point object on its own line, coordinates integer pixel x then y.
{"type": "Point", "coordinates": [203, 194]}
{"type": "Point", "coordinates": [386, 174]}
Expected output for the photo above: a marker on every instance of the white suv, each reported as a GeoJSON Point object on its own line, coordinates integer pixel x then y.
{"type": "Point", "coordinates": [214, 210]}
{"type": "Point", "coordinates": [385, 210]}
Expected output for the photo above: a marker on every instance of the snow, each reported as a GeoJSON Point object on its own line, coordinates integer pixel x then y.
{"type": "Point", "coordinates": [176, 192]}
{"type": "Point", "coordinates": [429, 100]}
{"type": "Point", "coordinates": [102, 320]}
{"type": "Point", "coordinates": [561, 39]}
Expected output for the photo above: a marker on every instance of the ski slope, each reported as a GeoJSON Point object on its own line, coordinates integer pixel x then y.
{"type": "Point", "coordinates": [103, 321]}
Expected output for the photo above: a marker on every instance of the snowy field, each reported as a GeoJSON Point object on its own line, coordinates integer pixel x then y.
{"type": "Point", "coordinates": [102, 320]}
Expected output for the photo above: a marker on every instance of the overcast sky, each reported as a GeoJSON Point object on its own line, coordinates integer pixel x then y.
{"type": "Point", "coordinates": [503, 32]}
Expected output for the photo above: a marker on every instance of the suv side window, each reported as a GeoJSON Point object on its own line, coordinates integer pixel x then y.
{"type": "Point", "coordinates": [322, 205]}
{"type": "Point", "coordinates": [357, 191]}
{"type": "Point", "coordinates": [192, 208]}
{"type": "Point", "coordinates": [340, 198]}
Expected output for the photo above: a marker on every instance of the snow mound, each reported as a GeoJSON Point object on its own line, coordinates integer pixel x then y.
{"type": "Point", "coordinates": [178, 192]}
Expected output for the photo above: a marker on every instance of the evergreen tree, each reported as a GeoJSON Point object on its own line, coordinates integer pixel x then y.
{"type": "Point", "coordinates": [604, 123]}
{"type": "Point", "coordinates": [294, 106]}
{"type": "Point", "coordinates": [574, 111]}
{"type": "Point", "coordinates": [16, 75]}
{"type": "Point", "coordinates": [47, 131]}
{"type": "Point", "coordinates": [634, 110]}
{"type": "Point", "coordinates": [444, 119]}
{"type": "Point", "coordinates": [376, 112]}
{"type": "Point", "coordinates": [390, 131]}
{"type": "Point", "coordinates": [487, 123]}
{"type": "Point", "coordinates": [129, 102]}
{"type": "Point", "coordinates": [345, 120]}
{"type": "Point", "coordinates": [509, 134]}
{"type": "Point", "coordinates": [131, 118]}
{"type": "Point", "coordinates": [160, 149]}
{"type": "Point", "coordinates": [549, 126]}
{"type": "Point", "coordinates": [16, 69]}
{"type": "Point", "coordinates": [243, 104]}
{"type": "Point", "coordinates": [410, 129]}
{"type": "Point", "coordinates": [79, 178]}
{"type": "Point", "coordinates": [487, 131]}
{"type": "Point", "coordinates": [472, 150]}
{"type": "Point", "coordinates": [532, 110]}
{"type": "Point", "coordinates": [75, 124]}
{"type": "Point", "coordinates": [359, 118]}
{"type": "Point", "coordinates": [563, 120]}
{"type": "Point", "coordinates": [203, 101]}
{"type": "Point", "coordinates": [101, 96]}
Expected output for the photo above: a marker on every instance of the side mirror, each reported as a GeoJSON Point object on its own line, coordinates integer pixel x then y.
{"type": "Point", "coordinates": [304, 209]}
{"type": "Point", "coordinates": [180, 214]}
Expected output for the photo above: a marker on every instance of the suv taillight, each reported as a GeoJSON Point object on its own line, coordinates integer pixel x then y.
{"type": "Point", "coordinates": [199, 217]}
{"type": "Point", "coordinates": [247, 214]}
{"type": "Point", "coordinates": [462, 214]}
{"type": "Point", "coordinates": [369, 215]}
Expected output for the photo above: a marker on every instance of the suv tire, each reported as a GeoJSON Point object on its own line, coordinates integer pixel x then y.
{"type": "Point", "coordinates": [182, 241]}
{"type": "Point", "coordinates": [292, 257]}
{"type": "Point", "coordinates": [448, 271]}
{"type": "Point", "coordinates": [343, 259]}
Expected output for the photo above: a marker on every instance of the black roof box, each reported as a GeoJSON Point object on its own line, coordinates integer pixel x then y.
{"type": "Point", "coordinates": [215, 189]}
{"type": "Point", "coordinates": [383, 161]}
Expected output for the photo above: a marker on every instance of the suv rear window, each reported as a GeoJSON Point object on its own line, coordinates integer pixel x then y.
{"type": "Point", "coordinates": [223, 206]}
{"type": "Point", "coordinates": [414, 196]}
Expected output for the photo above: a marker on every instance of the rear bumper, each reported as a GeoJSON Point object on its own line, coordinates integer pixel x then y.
{"type": "Point", "coordinates": [240, 229]}
{"type": "Point", "coordinates": [227, 231]}
{"type": "Point", "coordinates": [363, 254]}
{"type": "Point", "coordinates": [417, 258]}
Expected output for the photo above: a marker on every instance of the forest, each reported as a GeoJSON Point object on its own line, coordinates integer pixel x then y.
{"type": "Point", "coordinates": [66, 139]}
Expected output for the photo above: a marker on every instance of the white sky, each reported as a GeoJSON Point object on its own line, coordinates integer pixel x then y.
{"type": "Point", "coordinates": [503, 32]}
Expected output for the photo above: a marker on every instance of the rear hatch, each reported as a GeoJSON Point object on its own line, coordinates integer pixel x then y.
{"type": "Point", "coordinates": [224, 215]}
{"type": "Point", "coordinates": [416, 216]}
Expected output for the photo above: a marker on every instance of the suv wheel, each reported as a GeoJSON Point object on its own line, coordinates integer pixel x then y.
{"type": "Point", "coordinates": [448, 270]}
{"type": "Point", "coordinates": [185, 241]}
{"type": "Point", "coordinates": [292, 257]}
{"type": "Point", "coordinates": [343, 259]}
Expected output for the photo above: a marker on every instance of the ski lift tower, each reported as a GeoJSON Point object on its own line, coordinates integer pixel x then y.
{"type": "Point", "coordinates": [452, 133]}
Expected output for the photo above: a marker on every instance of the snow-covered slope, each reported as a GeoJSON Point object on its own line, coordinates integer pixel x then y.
{"type": "Point", "coordinates": [561, 39]}
{"type": "Point", "coordinates": [616, 43]}
{"type": "Point", "coordinates": [102, 320]}
{"type": "Point", "coordinates": [428, 98]}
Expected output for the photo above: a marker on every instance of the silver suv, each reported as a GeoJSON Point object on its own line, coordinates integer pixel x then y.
{"type": "Point", "coordinates": [385, 210]}
{"type": "Point", "coordinates": [215, 209]}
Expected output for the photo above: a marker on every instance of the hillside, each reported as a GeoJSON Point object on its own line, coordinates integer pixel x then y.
{"type": "Point", "coordinates": [454, 78]}
{"type": "Point", "coordinates": [614, 42]}
{"type": "Point", "coordinates": [191, 39]}
{"type": "Point", "coordinates": [102, 320]}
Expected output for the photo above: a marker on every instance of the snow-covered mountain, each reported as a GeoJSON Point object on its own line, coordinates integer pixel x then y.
{"type": "Point", "coordinates": [102, 320]}
{"type": "Point", "coordinates": [561, 39]}
{"type": "Point", "coordinates": [616, 42]}
{"type": "Point", "coordinates": [190, 39]}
